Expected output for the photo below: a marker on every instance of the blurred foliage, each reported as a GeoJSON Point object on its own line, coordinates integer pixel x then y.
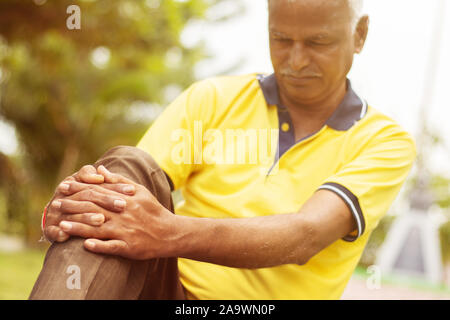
{"type": "Point", "coordinates": [73, 94]}
{"type": "Point", "coordinates": [441, 190]}
{"type": "Point", "coordinates": [440, 187]}
{"type": "Point", "coordinates": [375, 241]}
{"type": "Point", "coordinates": [444, 232]}
{"type": "Point", "coordinates": [13, 198]}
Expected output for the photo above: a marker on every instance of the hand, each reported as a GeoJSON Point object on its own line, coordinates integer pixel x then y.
{"type": "Point", "coordinates": [143, 230]}
{"type": "Point", "coordinates": [73, 184]}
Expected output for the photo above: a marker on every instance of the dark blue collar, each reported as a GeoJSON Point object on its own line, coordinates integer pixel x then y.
{"type": "Point", "coordinates": [351, 110]}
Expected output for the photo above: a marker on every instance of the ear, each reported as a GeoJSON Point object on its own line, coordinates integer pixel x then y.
{"type": "Point", "coordinates": [362, 29]}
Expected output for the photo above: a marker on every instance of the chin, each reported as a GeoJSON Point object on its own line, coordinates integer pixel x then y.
{"type": "Point", "coordinates": [303, 93]}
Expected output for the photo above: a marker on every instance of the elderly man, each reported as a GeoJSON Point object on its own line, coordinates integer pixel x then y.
{"type": "Point", "coordinates": [271, 216]}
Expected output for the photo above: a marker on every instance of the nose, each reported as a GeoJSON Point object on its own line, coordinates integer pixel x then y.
{"type": "Point", "coordinates": [299, 57]}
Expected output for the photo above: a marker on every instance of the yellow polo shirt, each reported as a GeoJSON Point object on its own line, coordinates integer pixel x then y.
{"type": "Point", "coordinates": [229, 145]}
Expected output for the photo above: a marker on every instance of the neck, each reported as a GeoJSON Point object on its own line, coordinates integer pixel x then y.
{"type": "Point", "coordinates": [323, 105]}
{"type": "Point", "coordinates": [311, 116]}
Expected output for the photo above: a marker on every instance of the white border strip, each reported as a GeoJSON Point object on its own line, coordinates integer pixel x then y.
{"type": "Point", "coordinates": [349, 202]}
{"type": "Point", "coordinates": [364, 108]}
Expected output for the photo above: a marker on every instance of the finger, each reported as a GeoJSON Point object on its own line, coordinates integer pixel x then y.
{"type": "Point", "coordinates": [80, 230]}
{"type": "Point", "coordinates": [113, 177]}
{"type": "Point", "coordinates": [70, 188]}
{"type": "Point", "coordinates": [112, 247]}
{"type": "Point", "coordinates": [69, 178]}
{"type": "Point", "coordinates": [112, 202]}
{"type": "Point", "coordinates": [88, 174]}
{"type": "Point", "coordinates": [64, 188]}
{"type": "Point", "coordinates": [124, 188]}
{"type": "Point", "coordinates": [92, 219]}
{"type": "Point", "coordinates": [89, 201]}
{"type": "Point", "coordinates": [59, 190]}
{"type": "Point", "coordinates": [54, 233]}
{"type": "Point", "coordinates": [67, 206]}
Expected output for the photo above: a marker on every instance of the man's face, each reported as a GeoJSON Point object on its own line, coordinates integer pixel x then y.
{"type": "Point", "coordinates": [312, 43]}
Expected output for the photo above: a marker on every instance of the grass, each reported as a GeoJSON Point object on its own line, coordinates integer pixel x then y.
{"type": "Point", "coordinates": [406, 281]}
{"type": "Point", "coordinates": [18, 272]}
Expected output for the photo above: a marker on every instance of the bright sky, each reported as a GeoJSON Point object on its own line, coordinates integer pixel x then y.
{"type": "Point", "coordinates": [389, 73]}
{"type": "Point", "coordinates": [8, 141]}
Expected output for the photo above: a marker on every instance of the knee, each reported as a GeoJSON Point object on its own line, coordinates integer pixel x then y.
{"type": "Point", "coordinates": [131, 155]}
{"type": "Point", "coordinates": [137, 165]}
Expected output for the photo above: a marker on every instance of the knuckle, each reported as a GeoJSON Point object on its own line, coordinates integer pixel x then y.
{"type": "Point", "coordinates": [62, 237]}
{"type": "Point", "coordinates": [70, 178]}
{"type": "Point", "coordinates": [61, 207]}
{"type": "Point", "coordinates": [52, 217]}
{"type": "Point", "coordinates": [107, 228]}
{"type": "Point", "coordinates": [85, 189]}
{"type": "Point", "coordinates": [86, 168]}
{"type": "Point", "coordinates": [107, 199]}
{"type": "Point", "coordinates": [127, 217]}
{"type": "Point", "coordinates": [72, 218]}
{"type": "Point", "coordinates": [131, 233]}
{"type": "Point", "coordinates": [107, 231]}
{"type": "Point", "coordinates": [89, 219]}
{"type": "Point", "coordinates": [51, 233]}
{"type": "Point", "coordinates": [92, 187]}
{"type": "Point", "coordinates": [87, 194]}
{"type": "Point", "coordinates": [118, 187]}
{"type": "Point", "coordinates": [114, 177]}
{"type": "Point", "coordinates": [47, 233]}
{"type": "Point", "coordinates": [99, 197]}
{"type": "Point", "coordinates": [68, 217]}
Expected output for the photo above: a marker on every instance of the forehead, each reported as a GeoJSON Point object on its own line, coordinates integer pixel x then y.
{"type": "Point", "coordinates": [300, 16]}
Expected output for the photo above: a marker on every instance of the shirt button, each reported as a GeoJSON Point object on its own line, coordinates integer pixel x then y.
{"type": "Point", "coordinates": [285, 127]}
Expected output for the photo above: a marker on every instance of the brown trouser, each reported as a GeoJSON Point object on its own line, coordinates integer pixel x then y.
{"type": "Point", "coordinates": [111, 277]}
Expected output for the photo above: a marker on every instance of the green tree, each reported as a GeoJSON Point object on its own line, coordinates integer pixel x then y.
{"type": "Point", "coordinates": [441, 188]}
{"type": "Point", "coordinates": [73, 94]}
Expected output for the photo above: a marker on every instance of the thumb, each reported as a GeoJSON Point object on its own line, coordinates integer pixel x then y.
{"type": "Point", "coordinates": [88, 174]}
{"type": "Point", "coordinates": [113, 177]}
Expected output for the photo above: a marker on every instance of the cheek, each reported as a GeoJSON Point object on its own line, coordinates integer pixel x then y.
{"type": "Point", "coordinates": [347, 55]}
{"type": "Point", "coordinates": [347, 62]}
{"type": "Point", "coordinates": [334, 63]}
{"type": "Point", "coordinates": [279, 54]}
{"type": "Point", "coordinates": [274, 57]}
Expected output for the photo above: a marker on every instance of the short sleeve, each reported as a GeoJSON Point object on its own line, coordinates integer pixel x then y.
{"type": "Point", "coordinates": [174, 138]}
{"type": "Point", "coordinates": [371, 181]}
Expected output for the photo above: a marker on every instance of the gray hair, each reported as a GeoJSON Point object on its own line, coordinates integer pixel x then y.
{"type": "Point", "coordinates": [357, 10]}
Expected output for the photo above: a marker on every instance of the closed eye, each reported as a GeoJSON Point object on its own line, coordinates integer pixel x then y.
{"type": "Point", "coordinates": [281, 39]}
{"type": "Point", "coordinates": [320, 43]}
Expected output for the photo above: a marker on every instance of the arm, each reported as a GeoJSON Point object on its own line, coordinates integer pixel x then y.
{"type": "Point", "coordinates": [266, 241]}
{"type": "Point", "coordinates": [147, 230]}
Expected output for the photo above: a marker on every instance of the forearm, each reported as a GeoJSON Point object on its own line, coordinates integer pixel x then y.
{"type": "Point", "coordinates": [259, 242]}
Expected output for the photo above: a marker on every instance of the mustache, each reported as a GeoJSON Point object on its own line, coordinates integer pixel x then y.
{"type": "Point", "coordinates": [301, 75]}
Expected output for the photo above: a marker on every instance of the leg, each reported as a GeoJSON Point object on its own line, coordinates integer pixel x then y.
{"type": "Point", "coordinates": [109, 277]}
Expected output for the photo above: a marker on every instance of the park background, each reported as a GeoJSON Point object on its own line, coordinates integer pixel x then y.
{"type": "Point", "coordinates": [66, 96]}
